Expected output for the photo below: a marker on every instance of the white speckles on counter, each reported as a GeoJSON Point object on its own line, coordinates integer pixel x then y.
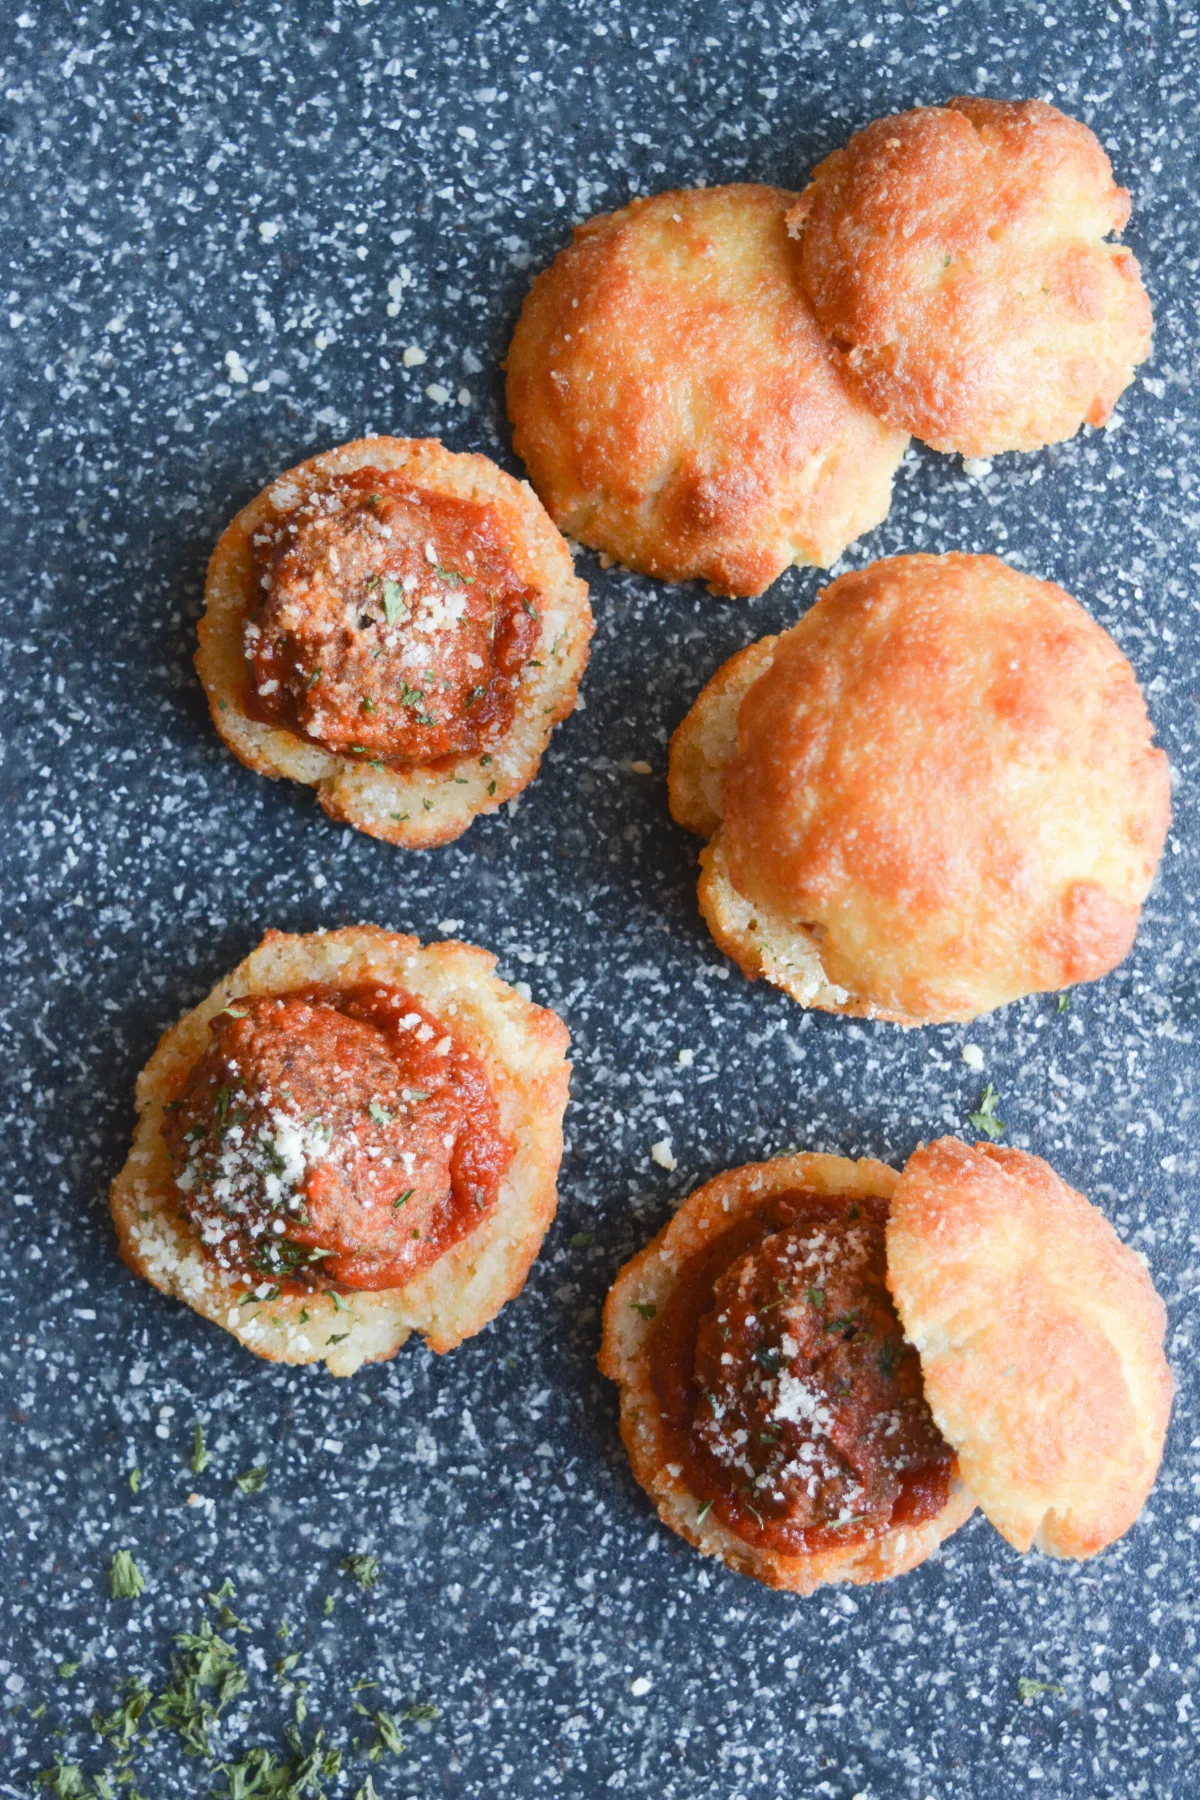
{"type": "Point", "coordinates": [206, 215]}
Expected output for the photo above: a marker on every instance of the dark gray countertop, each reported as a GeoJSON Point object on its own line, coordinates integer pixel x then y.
{"type": "Point", "coordinates": [303, 192]}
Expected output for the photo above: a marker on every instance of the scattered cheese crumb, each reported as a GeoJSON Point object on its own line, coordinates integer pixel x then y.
{"type": "Point", "coordinates": [640, 1685]}
{"type": "Point", "coordinates": [235, 365]}
{"type": "Point", "coordinates": [972, 1055]}
{"type": "Point", "coordinates": [463, 396]}
{"type": "Point", "coordinates": [436, 392]}
{"type": "Point", "coordinates": [413, 358]}
{"type": "Point", "coordinates": [975, 467]}
{"type": "Point", "coordinates": [269, 230]}
{"type": "Point", "coordinates": [686, 1058]}
{"type": "Point", "coordinates": [641, 768]}
{"type": "Point", "coordinates": [661, 1153]}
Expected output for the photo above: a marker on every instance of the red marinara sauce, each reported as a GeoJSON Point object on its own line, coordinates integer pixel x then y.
{"type": "Point", "coordinates": [392, 624]}
{"type": "Point", "coordinates": [334, 1138]}
{"type": "Point", "coordinates": [786, 1388]}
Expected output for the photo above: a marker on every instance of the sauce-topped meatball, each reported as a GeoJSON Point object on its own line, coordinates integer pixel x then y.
{"type": "Point", "coordinates": [788, 1390]}
{"type": "Point", "coordinates": [393, 624]}
{"type": "Point", "coordinates": [331, 1138]}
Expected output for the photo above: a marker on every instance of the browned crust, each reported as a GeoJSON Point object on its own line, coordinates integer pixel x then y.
{"type": "Point", "coordinates": [416, 808]}
{"type": "Point", "coordinates": [956, 256]}
{"type": "Point", "coordinates": [917, 823]}
{"type": "Point", "coordinates": [676, 405]}
{"type": "Point", "coordinates": [647, 1281]}
{"type": "Point", "coordinates": [523, 1049]}
{"type": "Point", "coordinates": [1041, 1342]}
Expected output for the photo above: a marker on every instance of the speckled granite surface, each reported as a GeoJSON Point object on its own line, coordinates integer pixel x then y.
{"type": "Point", "coordinates": [223, 227]}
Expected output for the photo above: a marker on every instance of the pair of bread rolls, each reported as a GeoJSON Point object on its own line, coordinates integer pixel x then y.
{"type": "Point", "coordinates": [718, 383]}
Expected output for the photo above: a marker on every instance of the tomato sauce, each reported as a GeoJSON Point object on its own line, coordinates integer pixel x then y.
{"type": "Point", "coordinates": [786, 1387]}
{"type": "Point", "coordinates": [334, 1138]}
{"type": "Point", "coordinates": [392, 623]}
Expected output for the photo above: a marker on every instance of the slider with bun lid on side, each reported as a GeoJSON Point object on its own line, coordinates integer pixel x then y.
{"type": "Point", "coordinates": [824, 1365]}
{"type": "Point", "coordinates": [351, 1139]}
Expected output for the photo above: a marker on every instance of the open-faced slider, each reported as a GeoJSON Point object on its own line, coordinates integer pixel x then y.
{"type": "Point", "coordinates": [398, 626]}
{"type": "Point", "coordinates": [351, 1139]}
{"type": "Point", "coordinates": [825, 1365]}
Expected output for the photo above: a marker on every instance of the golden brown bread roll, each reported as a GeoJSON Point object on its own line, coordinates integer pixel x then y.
{"type": "Point", "coordinates": [933, 795]}
{"type": "Point", "coordinates": [676, 405]}
{"type": "Point", "coordinates": [957, 258]}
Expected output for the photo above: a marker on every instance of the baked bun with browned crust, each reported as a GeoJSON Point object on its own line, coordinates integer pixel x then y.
{"type": "Point", "coordinates": [351, 1139]}
{"type": "Point", "coordinates": [935, 794]}
{"type": "Point", "coordinates": [399, 626]}
{"type": "Point", "coordinates": [823, 1366]}
{"type": "Point", "coordinates": [957, 258]}
{"type": "Point", "coordinates": [676, 405]}
{"type": "Point", "coordinates": [1041, 1342]}
{"type": "Point", "coordinates": [800, 1433]}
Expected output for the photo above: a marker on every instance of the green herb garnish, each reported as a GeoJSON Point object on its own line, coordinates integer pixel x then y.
{"type": "Point", "coordinates": [200, 1457]}
{"type": "Point", "coordinates": [363, 1568]}
{"type": "Point", "coordinates": [644, 1308]}
{"type": "Point", "coordinates": [985, 1118]}
{"type": "Point", "coordinates": [253, 1481]}
{"type": "Point", "coordinates": [1028, 1689]}
{"type": "Point", "coordinates": [125, 1579]}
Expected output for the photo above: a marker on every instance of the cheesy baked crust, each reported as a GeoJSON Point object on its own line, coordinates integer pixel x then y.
{"type": "Point", "coordinates": [957, 258]}
{"type": "Point", "coordinates": [676, 404]}
{"type": "Point", "coordinates": [645, 1284]}
{"type": "Point", "coordinates": [416, 807]}
{"type": "Point", "coordinates": [1041, 1343]}
{"type": "Point", "coordinates": [524, 1050]}
{"type": "Point", "coordinates": [935, 794]}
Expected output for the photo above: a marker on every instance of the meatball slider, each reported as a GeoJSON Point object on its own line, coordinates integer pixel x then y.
{"type": "Point", "coordinates": [958, 259]}
{"type": "Point", "coordinates": [353, 1138]}
{"type": "Point", "coordinates": [824, 1365]}
{"type": "Point", "coordinates": [933, 795]}
{"type": "Point", "coordinates": [398, 626]}
{"type": "Point", "coordinates": [675, 402]}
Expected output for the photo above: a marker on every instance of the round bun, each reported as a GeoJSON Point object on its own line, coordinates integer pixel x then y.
{"type": "Point", "coordinates": [933, 795]}
{"type": "Point", "coordinates": [1041, 1343]}
{"type": "Point", "coordinates": [676, 405]}
{"type": "Point", "coordinates": [643, 1287]}
{"type": "Point", "coordinates": [957, 258]}
{"type": "Point", "coordinates": [417, 807]}
{"type": "Point", "coordinates": [523, 1048]}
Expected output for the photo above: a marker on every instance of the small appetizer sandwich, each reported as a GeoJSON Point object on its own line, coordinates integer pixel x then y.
{"type": "Point", "coordinates": [933, 795]}
{"type": "Point", "coordinates": [824, 1366]}
{"type": "Point", "coordinates": [957, 258]}
{"type": "Point", "coordinates": [353, 1138]}
{"type": "Point", "coordinates": [399, 627]}
{"type": "Point", "coordinates": [675, 402]}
